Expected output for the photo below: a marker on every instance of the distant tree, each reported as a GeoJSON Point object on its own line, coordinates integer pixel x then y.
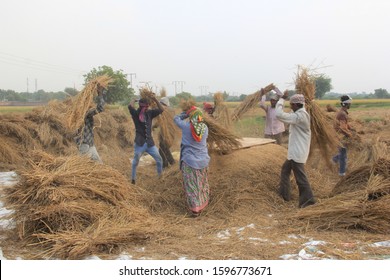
{"type": "Point", "coordinates": [118, 90]}
{"type": "Point", "coordinates": [242, 97]}
{"type": "Point", "coordinates": [323, 85]}
{"type": "Point", "coordinates": [184, 95]}
{"type": "Point", "coordinates": [71, 91]}
{"type": "Point", "coordinates": [225, 95]}
{"type": "Point", "coordinates": [381, 93]}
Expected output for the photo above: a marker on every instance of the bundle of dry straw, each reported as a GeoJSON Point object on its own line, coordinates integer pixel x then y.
{"type": "Point", "coordinates": [83, 101]}
{"type": "Point", "coordinates": [324, 137]}
{"type": "Point", "coordinates": [250, 102]}
{"type": "Point", "coordinates": [221, 111]}
{"type": "Point", "coordinates": [355, 207]}
{"type": "Point", "coordinates": [220, 139]}
{"type": "Point", "coordinates": [72, 207]}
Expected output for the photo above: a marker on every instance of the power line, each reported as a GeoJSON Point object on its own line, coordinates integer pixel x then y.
{"type": "Point", "coordinates": [35, 64]}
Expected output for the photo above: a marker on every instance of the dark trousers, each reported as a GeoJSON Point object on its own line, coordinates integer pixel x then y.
{"type": "Point", "coordinates": [166, 154]}
{"type": "Point", "coordinates": [305, 193]}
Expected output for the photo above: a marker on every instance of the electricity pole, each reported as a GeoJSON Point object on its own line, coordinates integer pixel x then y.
{"type": "Point", "coordinates": [176, 83]}
{"type": "Point", "coordinates": [131, 78]}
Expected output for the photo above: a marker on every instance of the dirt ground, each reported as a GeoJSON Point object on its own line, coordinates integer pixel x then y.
{"type": "Point", "coordinates": [246, 219]}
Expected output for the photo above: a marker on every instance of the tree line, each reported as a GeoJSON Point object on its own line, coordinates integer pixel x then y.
{"type": "Point", "coordinates": [120, 91]}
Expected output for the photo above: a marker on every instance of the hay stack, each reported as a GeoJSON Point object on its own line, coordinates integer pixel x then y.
{"type": "Point", "coordinates": [358, 179]}
{"type": "Point", "coordinates": [323, 134]}
{"type": "Point", "coordinates": [360, 201]}
{"type": "Point", "coordinates": [18, 128]}
{"type": "Point", "coordinates": [50, 127]}
{"type": "Point", "coordinates": [242, 183]}
{"type": "Point", "coordinates": [72, 207]}
{"type": "Point", "coordinates": [250, 102]}
{"type": "Point", "coordinates": [83, 101]}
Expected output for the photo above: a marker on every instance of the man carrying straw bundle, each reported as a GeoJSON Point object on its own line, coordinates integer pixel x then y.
{"type": "Point", "coordinates": [194, 158]}
{"type": "Point", "coordinates": [274, 128]}
{"type": "Point", "coordinates": [298, 148]}
{"type": "Point", "coordinates": [343, 128]}
{"type": "Point", "coordinates": [142, 118]}
{"type": "Point", "coordinates": [85, 140]}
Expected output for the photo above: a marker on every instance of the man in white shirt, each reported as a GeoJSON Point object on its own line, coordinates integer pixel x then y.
{"type": "Point", "coordinates": [273, 127]}
{"type": "Point", "coordinates": [298, 148]}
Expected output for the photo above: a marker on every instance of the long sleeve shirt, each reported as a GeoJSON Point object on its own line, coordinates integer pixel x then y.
{"type": "Point", "coordinates": [193, 153]}
{"type": "Point", "coordinates": [87, 136]}
{"type": "Point", "coordinates": [299, 132]}
{"type": "Point", "coordinates": [143, 130]}
{"type": "Point", "coordinates": [273, 126]}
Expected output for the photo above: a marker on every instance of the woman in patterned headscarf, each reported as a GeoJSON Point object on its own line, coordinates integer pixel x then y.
{"type": "Point", "coordinates": [194, 158]}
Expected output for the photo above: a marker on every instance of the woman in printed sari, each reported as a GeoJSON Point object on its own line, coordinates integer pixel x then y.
{"type": "Point", "coordinates": [194, 158]}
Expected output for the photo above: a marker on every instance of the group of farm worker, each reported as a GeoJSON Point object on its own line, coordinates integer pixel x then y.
{"type": "Point", "coordinates": [194, 156]}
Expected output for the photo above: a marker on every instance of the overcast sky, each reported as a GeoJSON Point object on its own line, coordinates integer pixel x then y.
{"type": "Point", "coordinates": [236, 46]}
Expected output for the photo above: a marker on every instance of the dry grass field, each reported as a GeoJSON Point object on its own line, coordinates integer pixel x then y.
{"type": "Point", "coordinates": [246, 218]}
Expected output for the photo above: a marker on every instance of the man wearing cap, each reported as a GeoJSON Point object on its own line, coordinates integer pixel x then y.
{"type": "Point", "coordinates": [298, 148]}
{"type": "Point", "coordinates": [274, 128]}
{"type": "Point", "coordinates": [343, 128]}
{"type": "Point", "coordinates": [142, 118]}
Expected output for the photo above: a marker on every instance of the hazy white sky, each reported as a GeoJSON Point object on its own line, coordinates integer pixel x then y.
{"type": "Point", "coordinates": [236, 46]}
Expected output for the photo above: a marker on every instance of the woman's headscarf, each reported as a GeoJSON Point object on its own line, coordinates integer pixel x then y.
{"type": "Point", "coordinates": [144, 105]}
{"type": "Point", "coordinates": [198, 127]}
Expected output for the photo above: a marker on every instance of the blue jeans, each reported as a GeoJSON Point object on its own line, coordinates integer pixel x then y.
{"type": "Point", "coordinates": [152, 151]}
{"type": "Point", "coordinates": [341, 158]}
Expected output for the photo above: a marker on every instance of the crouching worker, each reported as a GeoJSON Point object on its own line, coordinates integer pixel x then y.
{"type": "Point", "coordinates": [194, 159]}
{"type": "Point", "coordinates": [142, 118]}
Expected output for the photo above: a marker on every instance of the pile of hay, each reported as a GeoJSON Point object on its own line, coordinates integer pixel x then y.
{"type": "Point", "coordinates": [45, 129]}
{"type": "Point", "coordinates": [250, 102]}
{"type": "Point", "coordinates": [360, 201]}
{"type": "Point", "coordinates": [323, 135]}
{"type": "Point", "coordinates": [71, 207]}
{"type": "Point", "coordinates": [243, 182]}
